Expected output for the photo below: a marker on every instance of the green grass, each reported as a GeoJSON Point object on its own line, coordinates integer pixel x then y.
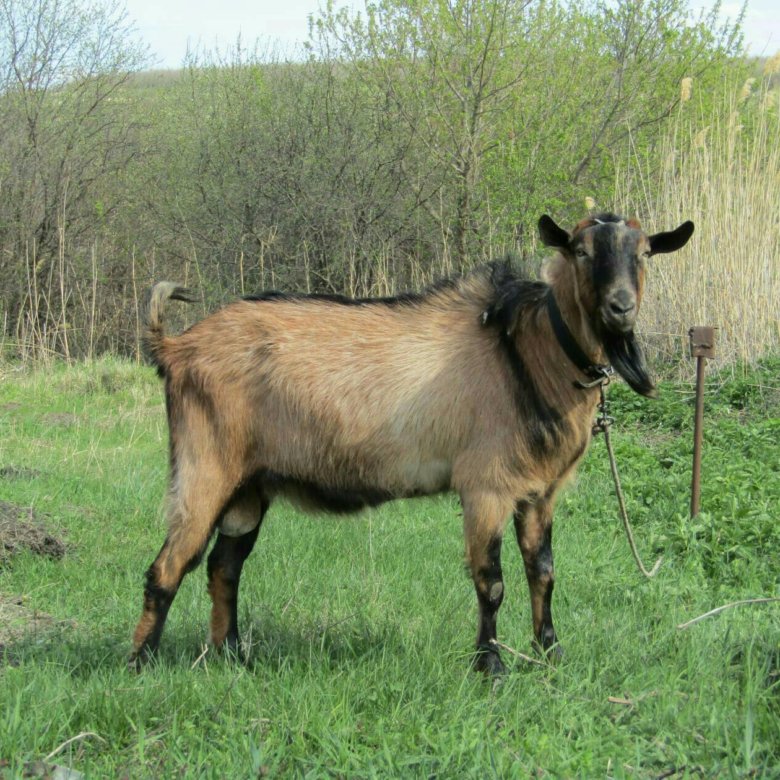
{"type": "Point", "coordinates": [361, 628]}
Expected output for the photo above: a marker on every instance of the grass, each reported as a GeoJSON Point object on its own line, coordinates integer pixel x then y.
{"type": "Point", "coordinates": [360, 629]}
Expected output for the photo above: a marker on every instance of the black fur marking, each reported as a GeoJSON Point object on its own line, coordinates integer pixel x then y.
{"type": "Point", "coordinates": [514, 297]}
{"type": "Point", "coordinates": [488, 598]}
{"type": "Point", "coordinates": [545, 568]}
{"type": "Point", "coordinates": [551, 234]}
{"type": "Point", "coordinates": [605, 254]}
{"type": "Point", "coordinates": [492, 572]}
{"type": "Point", "coordinates": [488, 660]}
{"type": "Point", "coordinates": [609, 253]}
{"type": "Point", "coordinates": [543, 560]}
{"type": "Point", "coordinates": [543, 423]}
{"type": "Point", "coordinates": [623, 350]}
{"type": "Point", "coordinates": [227, 557]}
{"type": "Point", "coordinates": [338, 500]}
{"type": "Point", "coordinates": [158, 596]}
{"type": "Point", "coordinates": [402, 299]}
{"type": "Point", "coordinates": [229, 553]}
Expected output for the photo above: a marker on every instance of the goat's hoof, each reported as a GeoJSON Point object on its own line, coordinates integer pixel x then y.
{"type": "Point", "coordinates": [141, 657]}
{"type": "Point", "coordinates": [488, 661]}
{"type": "Point", "coordinates": [136, 662]}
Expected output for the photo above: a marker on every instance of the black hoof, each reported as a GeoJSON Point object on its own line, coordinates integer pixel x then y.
{"type": "Point", "coordinates": [488, 661]}
{"type": "Point", "coordinates": [138, 659]}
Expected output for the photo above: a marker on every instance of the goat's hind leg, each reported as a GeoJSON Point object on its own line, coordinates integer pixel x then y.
{"type": "Point", "coordinates": [192, 511]}
{"type": "Point", "coordinates": [237, 535]}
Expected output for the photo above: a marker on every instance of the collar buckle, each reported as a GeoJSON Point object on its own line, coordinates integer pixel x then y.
{"type": "Point", "coordinates": [602, 377]}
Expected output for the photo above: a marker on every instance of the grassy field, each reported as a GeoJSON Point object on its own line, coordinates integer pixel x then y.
{"type": "Point", "coordinates": [360, 629]}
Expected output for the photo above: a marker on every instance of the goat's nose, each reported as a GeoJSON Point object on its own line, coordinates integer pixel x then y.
{"type": "Point", "coordinates": [622, 303]}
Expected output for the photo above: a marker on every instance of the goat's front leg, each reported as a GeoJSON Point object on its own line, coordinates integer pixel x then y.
{"type": "Point", "coordinates": [533, 526]}
{"type": "Point", "coordinates": [484, 517]}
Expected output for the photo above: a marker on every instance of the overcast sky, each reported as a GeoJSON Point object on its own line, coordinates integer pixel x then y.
{"type": "Point", "coordinates": [170, 26]}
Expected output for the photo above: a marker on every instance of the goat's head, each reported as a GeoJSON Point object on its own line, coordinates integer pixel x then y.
{"type": "Point", "coordinates": [607, 256]}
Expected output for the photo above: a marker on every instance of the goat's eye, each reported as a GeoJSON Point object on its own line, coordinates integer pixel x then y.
{"type": "Point", "coordinates": [581, 254]}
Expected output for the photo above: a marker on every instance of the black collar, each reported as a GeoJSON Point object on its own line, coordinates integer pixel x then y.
{"type": "Point", "coordinates": [570, 346]}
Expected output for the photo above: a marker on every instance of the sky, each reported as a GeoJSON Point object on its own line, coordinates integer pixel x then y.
{"type": "Point", "coordinates": [170, 26]}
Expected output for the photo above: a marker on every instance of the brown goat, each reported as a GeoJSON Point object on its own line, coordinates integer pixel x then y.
{"type": "Point", "coordinates": [474, 386]}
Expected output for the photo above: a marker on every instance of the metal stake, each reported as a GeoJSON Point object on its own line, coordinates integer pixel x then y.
{"type": "Point", "coordinates": [702, 340]}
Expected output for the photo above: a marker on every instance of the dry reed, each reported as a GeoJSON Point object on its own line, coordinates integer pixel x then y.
{"type": "Point", "coordinates": [720, 168]}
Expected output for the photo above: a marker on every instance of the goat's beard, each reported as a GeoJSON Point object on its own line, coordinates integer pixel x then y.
{"type": "Point", "coordinates": [625, 355]}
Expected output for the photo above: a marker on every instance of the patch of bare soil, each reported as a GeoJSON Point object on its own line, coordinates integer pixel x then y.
{"type": "Point", "coordinates": [22, 529]}
{"type": "Point", "coordinates": [19, 623]}
{"type": "Point", "coordinates": [60, 419]}
{"type": "Point", "coordinates": [18, 472]}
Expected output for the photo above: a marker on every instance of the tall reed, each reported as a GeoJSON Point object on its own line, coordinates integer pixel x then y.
{"type": "Point", "coordinates": [721, 168]}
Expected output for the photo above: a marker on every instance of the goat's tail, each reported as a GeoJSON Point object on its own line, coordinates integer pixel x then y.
{"type": "Point", "coordinates": [153, 332]}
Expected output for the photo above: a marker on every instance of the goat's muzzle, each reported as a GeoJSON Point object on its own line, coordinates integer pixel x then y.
{"type": "Point", "coordinates": [618, 312]}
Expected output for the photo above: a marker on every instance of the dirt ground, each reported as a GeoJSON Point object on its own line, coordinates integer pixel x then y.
{"type": "Point", "coordinates": [21, 528]}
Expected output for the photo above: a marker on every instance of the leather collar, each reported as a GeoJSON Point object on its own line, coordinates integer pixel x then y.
{"type": "Point", "coordinates": [570, 346]}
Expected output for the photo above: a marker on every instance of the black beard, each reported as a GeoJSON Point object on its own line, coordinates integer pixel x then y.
{"type": "Point", "coordinates": [625, 355]}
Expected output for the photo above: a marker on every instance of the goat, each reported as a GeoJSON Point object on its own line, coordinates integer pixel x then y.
{"type": "Point", "coordinates": [485, 384]}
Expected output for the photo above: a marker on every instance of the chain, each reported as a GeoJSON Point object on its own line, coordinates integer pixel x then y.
{"type": "Point", "coordinates": [604, 419]}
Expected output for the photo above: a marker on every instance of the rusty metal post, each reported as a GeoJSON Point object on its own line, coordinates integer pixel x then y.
{"type": "Point", "coordinates": [702, 347]}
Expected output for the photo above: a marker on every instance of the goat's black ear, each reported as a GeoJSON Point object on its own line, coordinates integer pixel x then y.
{"type": "Point", "coordinates": [551, 234]}
{"type": "Point", "coordinates": [672, 240]}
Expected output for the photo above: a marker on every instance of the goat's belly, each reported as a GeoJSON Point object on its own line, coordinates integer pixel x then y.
{"type": "Point", "coordinates": [426, 477]}
{"type": "Point", "coordinates": [347, 492]}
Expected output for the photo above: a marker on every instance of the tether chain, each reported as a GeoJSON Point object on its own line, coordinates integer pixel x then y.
{"type": "Point", "coordinates": [602, 425]}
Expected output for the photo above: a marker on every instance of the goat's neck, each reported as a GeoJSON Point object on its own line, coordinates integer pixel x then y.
{"type": "Point", "coordinates": [572, 308]}
{"type": "Point", "coordinates": [552, 370]}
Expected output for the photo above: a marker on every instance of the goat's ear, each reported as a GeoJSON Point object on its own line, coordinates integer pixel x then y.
{"type": "Point", "coordinates": [551, 234]}
{"type": "Point", "coordinates": [671, 241]}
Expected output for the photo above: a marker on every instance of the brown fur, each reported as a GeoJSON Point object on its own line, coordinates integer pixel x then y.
{"type": "Point", "coordinates": [337, 405]}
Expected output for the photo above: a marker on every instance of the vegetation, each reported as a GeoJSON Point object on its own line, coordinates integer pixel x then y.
{"type": "Point", "coordinates": [720, 167]}
{"type": "Point", "coordinates": [359, 630]}
{"type": "Point", "coordinates": [407, 143]}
